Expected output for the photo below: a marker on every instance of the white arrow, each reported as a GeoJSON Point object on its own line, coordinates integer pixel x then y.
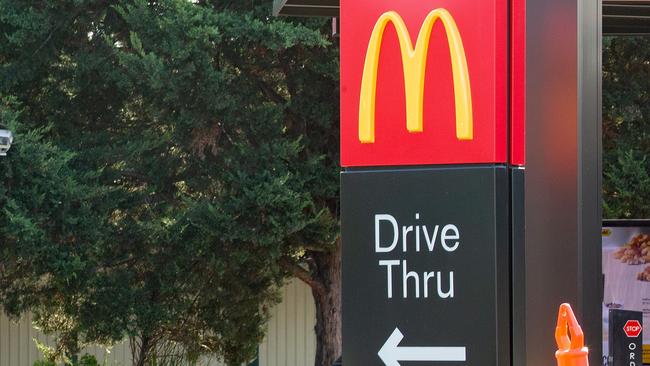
{"type": "Point", "coordinates": [391, 353]}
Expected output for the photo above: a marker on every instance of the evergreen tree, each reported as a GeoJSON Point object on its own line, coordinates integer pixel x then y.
{"type": "Point", "coordinates": [626, 131]}
{"type": "Point", "coordinates": [175, 162]}
{"type": "Point", "coordinates": [47, 209]}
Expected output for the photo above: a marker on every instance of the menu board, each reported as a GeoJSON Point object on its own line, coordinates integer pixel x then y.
{"type": "Point", "coordinates": [626, 268]}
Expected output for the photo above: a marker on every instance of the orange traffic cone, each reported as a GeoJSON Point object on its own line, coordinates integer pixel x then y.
{"type": "Point", "coordinates": [571, 350]}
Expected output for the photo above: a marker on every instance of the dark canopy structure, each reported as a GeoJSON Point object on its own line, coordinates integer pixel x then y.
{"type": "Point", "coordinates": [626, 17]}
{"type": "Point", "coordinates": [306, 8]}
{"type": "Point", "coordinates": [620, 17]}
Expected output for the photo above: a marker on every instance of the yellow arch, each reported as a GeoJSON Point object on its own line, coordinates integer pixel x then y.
{"type": "Point", "coordinates": [414, 61]}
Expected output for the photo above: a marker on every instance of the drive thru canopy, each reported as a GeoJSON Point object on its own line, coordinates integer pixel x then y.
{"type": "Point", "coordinates": [623, 17]}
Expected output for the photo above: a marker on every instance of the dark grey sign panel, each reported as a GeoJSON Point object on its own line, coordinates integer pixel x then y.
{"type": "Point", "coordinates": [518, 265]}
{"type": "Point", "coordinates": [425, 267]}
{"type": "Point", "coordinates": [625, 337]}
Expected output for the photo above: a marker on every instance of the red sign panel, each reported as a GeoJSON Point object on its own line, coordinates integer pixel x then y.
{"type": "Point", "coordinates": [518, 82]}
{"type": "Point", "coordinates": [423, 82]}
{"type": "Point", "coordinates": [632, 328]}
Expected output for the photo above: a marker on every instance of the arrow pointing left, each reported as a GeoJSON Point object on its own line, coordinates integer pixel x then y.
{"type": "Point", "coordinates": [391, 354]}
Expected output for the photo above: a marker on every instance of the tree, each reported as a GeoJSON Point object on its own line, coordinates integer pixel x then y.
{"type": "Point", "coordinates": [204, 138]}
{"type": "Point", "coordinates": [626, 131]}
{"type": "Point", "coordinates": [43, 200]}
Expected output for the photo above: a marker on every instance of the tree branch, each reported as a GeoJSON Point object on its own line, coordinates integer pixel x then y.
{"type": "Point", "coordinates": [135, 175]}
{"type": "Point", "coordinates": [302, 274]}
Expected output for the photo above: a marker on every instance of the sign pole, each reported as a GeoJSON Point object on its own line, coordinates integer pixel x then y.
{"type": "Point", "coordinates": [470, 188]}
{"type": "Point", "coordinates": [425, 186]}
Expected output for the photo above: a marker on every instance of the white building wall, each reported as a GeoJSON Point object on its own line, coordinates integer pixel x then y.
{"type": "Point", "coordinates": [290, 339]}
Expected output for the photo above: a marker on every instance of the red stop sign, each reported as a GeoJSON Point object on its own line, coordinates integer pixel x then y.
{"type": "Point", "coordinates": [632, 328]}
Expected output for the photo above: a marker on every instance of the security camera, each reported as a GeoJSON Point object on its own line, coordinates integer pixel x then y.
{"type": "Point", "coordinates": [6, 139]}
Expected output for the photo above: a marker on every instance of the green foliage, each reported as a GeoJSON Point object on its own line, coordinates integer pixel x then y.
{"type": "Point", "coordinates": [626, 131]}
{"type": "Point", "coordinates": [628, 186]}
{"type": "Point", "coordinates": [169, 156]}
{"type": "Point", "coordinates": [85, 360]}
{"type": "Point", "coordinates": [44, 363]}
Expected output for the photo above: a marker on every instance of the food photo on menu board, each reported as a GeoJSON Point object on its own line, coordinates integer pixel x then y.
{"type": "Point", "coordinates": [626, 269]}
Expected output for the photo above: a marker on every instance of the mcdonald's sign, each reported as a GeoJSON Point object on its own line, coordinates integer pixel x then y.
{"type": "Point", "coordinates": [423, 82]}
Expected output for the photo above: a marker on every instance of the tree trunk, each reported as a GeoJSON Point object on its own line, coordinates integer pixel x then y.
{"type": "Point", "coordinates": [327, 272]}
{"type": "Point", "coordinates": [141, 350]}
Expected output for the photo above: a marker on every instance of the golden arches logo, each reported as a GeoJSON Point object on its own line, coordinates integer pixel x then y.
{"type": "Point", "coordinates": [414, 61]}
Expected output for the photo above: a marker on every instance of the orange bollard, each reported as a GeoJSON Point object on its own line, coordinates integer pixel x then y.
{"type": "Point", "coordinates": [570, 339]}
